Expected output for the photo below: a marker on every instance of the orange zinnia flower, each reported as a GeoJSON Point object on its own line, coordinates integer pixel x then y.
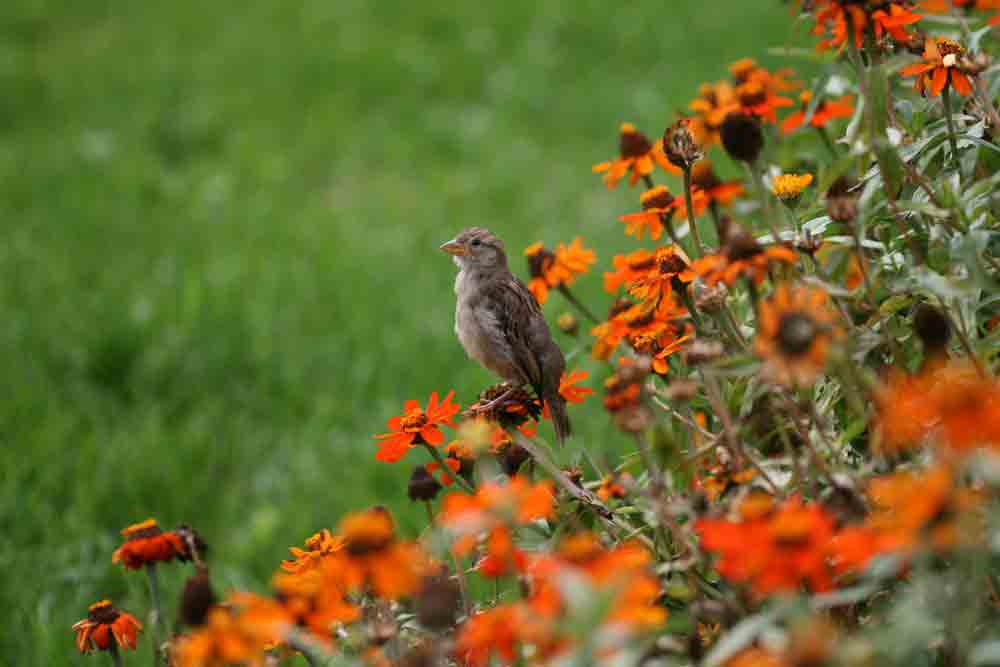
{"type": "Point", "coordinates": [223, 640]}
{"type": "Point", "coordinates": [376, 559]}
{"type": "Point", "coordinates": [772, 549]}
{"type": "Point", "coordinates": [416, 426]}
{"type": "Point", "coordinates": [757, 100]}
{"type": "Point", "coordinates": [717, 192]}
{"type": "Point", "coordinates": [952, 405]}
{"type": "Point", "coordinates": [319, 546]}
{"type": "Point", "coordinates": [742, 257]}
{"type": "Point", "coordinates": [568, 388]}
{"type": "Point", "coordinates": [939, 69]}
{"type": "Point", "coordinates": [713, 104]}
{"type": "Point", "coordinates": [613, 486]}
{"type": "Point", "coordinates": [106, 629]}
{"type": "Point", "coordinates": [550, 270]}
{"type": "Point", "coordinates": [796, 327]}
{"type": "Point", "coordinates": [670, 271]}
{"type": "Point", "coordinates": [825, 111]}
{"type": "Point", "coordinates": [837, 17]}
{"type": "Point", "coordinates": [638, 156]}
{"type": "Point", "coordinates": [628, 269]}
{"type": "Point", "coordinates": [146, 543]}
{"type": "Point", "coordinates": [659, 205]}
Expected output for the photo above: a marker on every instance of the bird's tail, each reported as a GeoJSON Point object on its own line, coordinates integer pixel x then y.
{"type": "Point", "coordinates": [557, 408]}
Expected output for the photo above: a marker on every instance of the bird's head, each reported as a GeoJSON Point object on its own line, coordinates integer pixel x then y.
{"type": "Point", "coordinates": [476, 248]}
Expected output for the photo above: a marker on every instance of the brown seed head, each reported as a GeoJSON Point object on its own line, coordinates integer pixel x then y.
{"type": "Point", "coordinates": [422, 485]}
{"type": "Point", "coordinates": [680, 146]}
{"type": "Point", "coordinates": [933, 328]}
{"type": "Point", "coordinates": [196, 599]}
{"type": "Point", "coordinates": [742, 137]}
{"type": "Point", "coordinates": [703, 351]}
{"type": "Point", "coordinates": [438, 601]}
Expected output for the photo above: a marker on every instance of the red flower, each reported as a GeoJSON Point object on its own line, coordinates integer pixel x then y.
{"type": "Point", "coordinates": [146, 543]}
{"type": "Point", "coordinates": [416, 426]}
{"type": "Point", "coordinates": [105, 624]}
{"type": "Point", "coordinates": [825, 111]}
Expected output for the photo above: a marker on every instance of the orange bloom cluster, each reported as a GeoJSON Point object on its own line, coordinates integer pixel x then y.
{"type": "Point", "coordinates": [753, 90]}
{"type": "Point", "coordinates": [491, 512]}
{"type": "Point", "coordinates": [649, 328]}
{"type": "Point", "coordinates": [550, 270]}
{"type": "Point", "coordinates": [638, 157]}
{"type": "Point", "coordinates": [717, 191]}
{"type": "Point", "coordinates": [146, 543]}
{"type": "Point", "coordinates": [825, 111]}
{"type": "Point", "coordinates": [105, 626]}
{"type": "Point", "coordinates": [945, 6]}
{"type": "Point", "coordinates": [742, 257]}
{"type": "Point", "coordinates": [314, 594]}
{"type": "Point", "coordinates": [941, 67]}
{"type": "Point", "coordinates": [952, 405]}
{"type": "Point", "coordinates": [772, 548]}
{"type": "Point", "coordinates": [416, 426]}
{"type": "Point", "coordinates": [911, 510]}
{"type": "Point", "coordinates": [623, 572]}
{"type": "Point", "coordinates": [837, 19]}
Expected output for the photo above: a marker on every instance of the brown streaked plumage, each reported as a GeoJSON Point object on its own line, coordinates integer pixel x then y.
{"type": "Point", "coordinates": [500, 324]}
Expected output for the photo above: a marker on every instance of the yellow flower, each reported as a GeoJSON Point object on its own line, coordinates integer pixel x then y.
{"type": "Point", "coordinates": [788, 187]}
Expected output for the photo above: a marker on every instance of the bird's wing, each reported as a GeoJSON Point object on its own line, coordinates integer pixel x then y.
{"type": "Point", "coordinates": [515, 316]}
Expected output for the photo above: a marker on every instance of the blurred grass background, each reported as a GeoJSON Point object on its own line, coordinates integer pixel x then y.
{"type": "Point", "coordinates": [219, 271]}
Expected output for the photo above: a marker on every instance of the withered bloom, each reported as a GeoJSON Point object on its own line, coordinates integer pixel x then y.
{"type": "Point", "coordinates": [842, 200]}
{"type": "Point", "coordinates": [932, 327]}
{"type": "Point", "coordinates": [506, 406]}
{"type": "Point", "coordinates": [422, 485]}
{"type": "Point", "coordinates": [680, 146]}
{"type": "Point", "coordinates": [742, 137]}
{"type": "Point", "coordinates": [196, 599]}
{"type": "Point", "coordinates": [437, 604]}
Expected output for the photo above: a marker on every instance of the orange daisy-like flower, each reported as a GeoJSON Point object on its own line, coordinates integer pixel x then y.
{"type": "Point", "coordinates": [569, 388]}
{"type": "Point", "coordinates": [756, 99]}
{"type": "Point", "coordinates": [825, 111]}
{"type": "Point", "coordinates": [376, 559]}
{"type": "Point", "coordinates": [718, 192]}
{"type": "Point", "coordinates": [224, 640]}
{"type": "Point", "coordinates": [952, 405]}
{"type": "Point", "coordinates": [416, 426]}
{"type": "Point", "coordinates": [796, 327]}
{"type": "Point", "coordinates": [658, 205]}
{"type": "Point", "coordinates": [772, 549]}
{"type": "Point", "coordinates": [742, 257]}
{"type": "Point", "coordinates": [106, 629]}
{"type": "Point", "coordinates": [638, 157]}
{"type": "Point", "coordinates": [492, 511]}
{"type": "Point", "coordinates": [146, 543]}
{"type": "Point", "coordinates": [319, 546]}
{"type": "Point", "coordinates": [628, 269]}
{"type": "Point", "coordinates": [614, 486]}
{"type": "Point", "coordinates": [837, 18]}
{"type": "Point", "coordinates": [660, 344]}
{"type": "Point", "coordinates": [715, 101]}
{"type": "Point", "coordinates": [940, 68]}
{"type": "Point", "coordinates": [550, 270]}
{"type": "Point", "coordinates": [670, 271]}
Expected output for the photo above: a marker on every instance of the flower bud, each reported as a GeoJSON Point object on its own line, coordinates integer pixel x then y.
{"type": "Point", "coordinates": [932, 327]}
{"type": "Point", "coordinates": [680, 146]}
{"type": "Point", "coordinates": [568, 324]}
{"type": "Point", "coordinates": [436, 605]}
{"type": "Point", "coordinates": [742, 137]}
{"type": "Point", "coordinates": [196, 599]}
{"type": "Point", "coordinates": [422, 485]}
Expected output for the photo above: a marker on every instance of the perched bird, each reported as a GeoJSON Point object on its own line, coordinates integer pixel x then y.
{"type": "Point", "coordinates": [500, 324]}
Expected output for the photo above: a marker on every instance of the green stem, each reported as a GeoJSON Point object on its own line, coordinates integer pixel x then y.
{"type": "Point", "coordinates": [569, 296]}
{"type": "Point", "coordinates": [436, 455]}
{"type": "Point", "coordinates": [765, 200]}
{"type": "Point", "coordinates": [155, 611]}
{"type": "Point", "coordinates": [699, 249]}
{"type": "Point", "coordinates": [825, 136]}
{"type": "Point", "coordinates": [952, 140]}
{"type": "Point", "coordinates": [116, 656]}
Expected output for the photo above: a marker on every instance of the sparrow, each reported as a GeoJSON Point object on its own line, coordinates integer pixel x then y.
{"type": "Point", "coordinates": [500, 324]}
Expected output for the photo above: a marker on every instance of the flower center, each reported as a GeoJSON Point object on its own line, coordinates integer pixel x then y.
{"type": "Point", "coordinates": [658, 197]}
{"type": "Point", "coordinates": [742, 246]}
{"type": "Point", "coordinates": [796, 333]}
{"type": "Point", "coordinates": [633, 143]}
{"type": "Point", "coordinates": [671, 262]}
{"type": "Point", "coordinates": [641, 260]}
{"type": "Point", "coordinates": [947, 48]}
{"type": "Point", "coordinates": [540, 262]}
{"type": "Point", "coordinates": [414, 421]}
{"type": "Point", "coordinates": [102, 612]}
{"type": "Point", "coordinates": [752, 93]}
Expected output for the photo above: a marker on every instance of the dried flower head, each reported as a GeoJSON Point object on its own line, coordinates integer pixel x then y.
{"type": "Point", "coordinates": [742, 137]}
{"type": "Point", "coordinates": [680, 146]}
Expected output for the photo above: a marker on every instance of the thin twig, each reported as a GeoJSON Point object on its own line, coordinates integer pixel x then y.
{"type": "Point", "coordinates": [588, 499]}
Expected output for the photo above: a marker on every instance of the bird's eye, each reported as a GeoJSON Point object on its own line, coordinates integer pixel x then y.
{"type": "Point", "coordinates": [477, 242]}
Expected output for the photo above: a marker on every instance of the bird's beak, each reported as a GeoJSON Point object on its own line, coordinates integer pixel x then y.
{"type": "Point", "coordinates": [455, 248]}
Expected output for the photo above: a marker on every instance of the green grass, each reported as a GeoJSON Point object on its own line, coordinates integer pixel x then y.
{"type": "Point", "coordinates": [219, 271]}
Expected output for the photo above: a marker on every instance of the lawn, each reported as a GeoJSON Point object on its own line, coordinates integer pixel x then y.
{"type": "Point", "coordinates": [219, 271]}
